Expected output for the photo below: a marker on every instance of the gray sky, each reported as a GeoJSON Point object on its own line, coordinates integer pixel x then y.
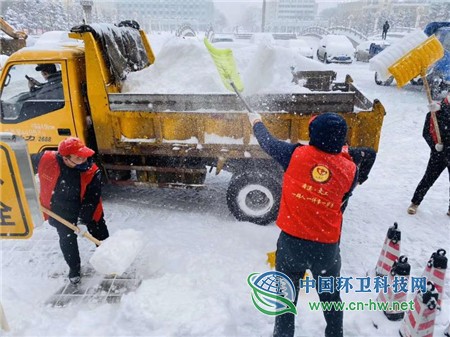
{"type": "Point", "coordinates": [234, 9]}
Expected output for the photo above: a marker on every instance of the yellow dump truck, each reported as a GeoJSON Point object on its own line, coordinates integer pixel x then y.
{"type": "Point", "coordinates": [165, 140]}
{"type": "Point", "coordinates": [16, 42]}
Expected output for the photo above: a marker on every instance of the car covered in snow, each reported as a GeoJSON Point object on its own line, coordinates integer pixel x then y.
{"type": "Point", "coordinates": [335, 48]}
{"type": "Point", "coordinates": [300, 46]}
{"type": "Point", "coordinates": [364, 51]}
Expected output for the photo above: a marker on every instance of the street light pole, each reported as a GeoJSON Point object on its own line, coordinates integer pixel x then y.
{"type": "Point", "coordinates": [263, 22]}
{"type": "Point", "coordinates": [87, 10]}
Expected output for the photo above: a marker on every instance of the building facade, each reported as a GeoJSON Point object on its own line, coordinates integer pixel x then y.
{"type": "Point", "coordinates": [290, 16]}
{"type": "Point", "coordinates": [162, 15]}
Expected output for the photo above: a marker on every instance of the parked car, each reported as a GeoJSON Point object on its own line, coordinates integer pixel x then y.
{"type": "Point", "coordinates": [303, 48]}
{"type": "Point", "coordinates": [335, 48]}
{"type": "Point", "coordinates": [222, 38]}
{"type": "Point", "coordinates": [300, 46]}
{"type": "Point", "coordinates": [363, 50]}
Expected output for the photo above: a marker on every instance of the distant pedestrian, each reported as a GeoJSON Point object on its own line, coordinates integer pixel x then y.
{"type": "Point", "coordinates": [385, 30]}
{"type": "Point", "coordinates": [317, 183]}
{"type": "Point", "coordinates": [70, 186]}
{"type": "Point", "coordinates": [439, 154]}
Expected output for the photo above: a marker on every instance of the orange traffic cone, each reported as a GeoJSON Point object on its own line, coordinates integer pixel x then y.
{"type": "Point", "coordinates": [435, 271]}
{"type": "Point", "coordinates": [401, 268]}
{"type": "Point", "coordinates": [390, 251]}
{"type": "Point", "coordinates": [420, 321]}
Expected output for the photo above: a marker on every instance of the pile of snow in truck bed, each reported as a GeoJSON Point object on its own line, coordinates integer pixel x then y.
{"type": "Point", "coordinates": [184, 66]}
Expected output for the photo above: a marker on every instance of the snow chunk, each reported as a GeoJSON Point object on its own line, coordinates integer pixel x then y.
{"type": "Point", "coordinates": [116, 253]}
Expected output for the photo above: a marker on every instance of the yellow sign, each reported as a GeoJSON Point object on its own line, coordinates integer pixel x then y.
{"type": "Point", "coordinates": [15, 217]}
{"type": "Point", "coordinates": [320, 174]}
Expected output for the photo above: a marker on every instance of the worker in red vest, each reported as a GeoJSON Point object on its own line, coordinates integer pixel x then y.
{"type": "Point", "coordinates": [70, 186]}
{"type": "Point", "coordinates": [318, 180]}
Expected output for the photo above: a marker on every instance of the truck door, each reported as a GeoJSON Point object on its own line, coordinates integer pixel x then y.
{"type": "Point", "coordinates": [35, 104]}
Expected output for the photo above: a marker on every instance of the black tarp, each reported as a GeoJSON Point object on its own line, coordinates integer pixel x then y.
{"type": "Point", "coordinates": [121, 45]}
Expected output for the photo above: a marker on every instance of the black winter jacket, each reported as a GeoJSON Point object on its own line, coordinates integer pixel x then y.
{"type": "Point", "coordinates": [443, 118]}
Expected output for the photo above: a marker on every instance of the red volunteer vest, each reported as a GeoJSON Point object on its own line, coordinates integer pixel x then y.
{"type": "Point", "coordinates": [314, 185]}
{"type": "Point", "coordinates": [49, 172]}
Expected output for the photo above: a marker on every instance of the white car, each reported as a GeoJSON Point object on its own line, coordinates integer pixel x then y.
{"type": "Point", "coordinates": [300, 46]}
{"type": "Point", "coordinates": [303, 48]}
{"type": "Point", "coordinates": [335, 48]}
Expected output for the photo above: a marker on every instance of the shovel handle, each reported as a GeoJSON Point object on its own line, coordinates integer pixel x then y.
{"type": "Point", "coordinates": [55, 216]}
{"type": "Point", "coordinates": [241, 97]}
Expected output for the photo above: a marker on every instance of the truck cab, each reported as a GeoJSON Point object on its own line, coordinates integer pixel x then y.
{"type": "Point", "coordinates": [44, 115]}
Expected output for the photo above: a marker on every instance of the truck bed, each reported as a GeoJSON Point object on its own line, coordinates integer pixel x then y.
{"type": "Point", "coordinates": [299, 103]}
{"type": "Point", "coordinates": [210, 124]}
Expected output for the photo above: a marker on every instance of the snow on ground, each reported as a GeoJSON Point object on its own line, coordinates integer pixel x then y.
{"type": "Point", "coordinates": [197, 257]}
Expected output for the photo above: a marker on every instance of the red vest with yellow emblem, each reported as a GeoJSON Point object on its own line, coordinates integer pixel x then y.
{"type": "Point", "coordinates": [49, 171]}
{"type": "Point", "coordinates": [314, 185]}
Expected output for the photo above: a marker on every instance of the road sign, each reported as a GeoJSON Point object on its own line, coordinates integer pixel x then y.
{"type": "Point", "coordinates": [18, 201]}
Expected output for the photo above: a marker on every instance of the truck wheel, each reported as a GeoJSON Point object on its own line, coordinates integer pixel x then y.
{"type": "Point", "coordinates": [254, 197]}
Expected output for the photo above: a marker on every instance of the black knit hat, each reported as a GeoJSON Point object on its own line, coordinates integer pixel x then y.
{"type": "Point", "coordinates": [328, 132]}
{"type": "Point", "coordinates": [47, 67]}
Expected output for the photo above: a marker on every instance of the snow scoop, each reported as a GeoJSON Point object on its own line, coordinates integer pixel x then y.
{"type": "Point", "coordinates": [113, 255]}
{"type": "Point", "coordinates": [415, 63]}
{"type": "Point", "coordinates": [226, 66]}
{"type": "Point", "coordinates": [408, 59]}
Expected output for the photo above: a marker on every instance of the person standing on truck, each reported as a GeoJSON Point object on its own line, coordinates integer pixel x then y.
{"type": "Point", "coordinates": [52, 88]}
{"type": "Point", "coordinates": [385, 30]}
{"type": "Point", "coordinates": [70, 186]}
{"type": "Point", "coordinates": [318, 181]}
{"type": "Point", "coordinates": [439, 153]}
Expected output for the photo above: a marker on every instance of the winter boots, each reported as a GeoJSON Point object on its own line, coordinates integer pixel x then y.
{"type": "Point", "coordinates": [74, 276]}
{"type": "Point", "coordinates": [412, 209]}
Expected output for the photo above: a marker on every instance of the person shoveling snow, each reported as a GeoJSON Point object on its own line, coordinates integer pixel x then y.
{"type": "Point", "coordinates": [70, 193]}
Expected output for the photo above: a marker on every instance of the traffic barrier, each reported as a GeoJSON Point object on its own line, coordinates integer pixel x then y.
{"type": "Point", "coordinates": [420, 321]}
{"type": "Point", "coordinates": [435, 271]}
{"type": "Point", "coordinates": [401, 268]}
{"type": "Point", "coordinates": [390, 251]}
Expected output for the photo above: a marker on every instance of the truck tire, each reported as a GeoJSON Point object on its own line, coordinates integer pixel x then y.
{"type": "Point", "coordinates": [254, 196]}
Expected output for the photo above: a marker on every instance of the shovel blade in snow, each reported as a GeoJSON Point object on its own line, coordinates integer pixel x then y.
{"type": "Point", "coordinates": [117, 252]}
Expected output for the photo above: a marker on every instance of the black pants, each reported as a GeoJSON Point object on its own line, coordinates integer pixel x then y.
{"type": "Point", "coordinates": [383, 35]}
{"type": "Point", "coordinates": [294, 256]}
{"type": "Point", "coordinates": [69, 244]}
{"type": "Point", "coordinates": [436, 164]}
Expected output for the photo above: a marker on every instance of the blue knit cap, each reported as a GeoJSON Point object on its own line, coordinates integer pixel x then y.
{"type": "Point", "coordinates": [328, 132]}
